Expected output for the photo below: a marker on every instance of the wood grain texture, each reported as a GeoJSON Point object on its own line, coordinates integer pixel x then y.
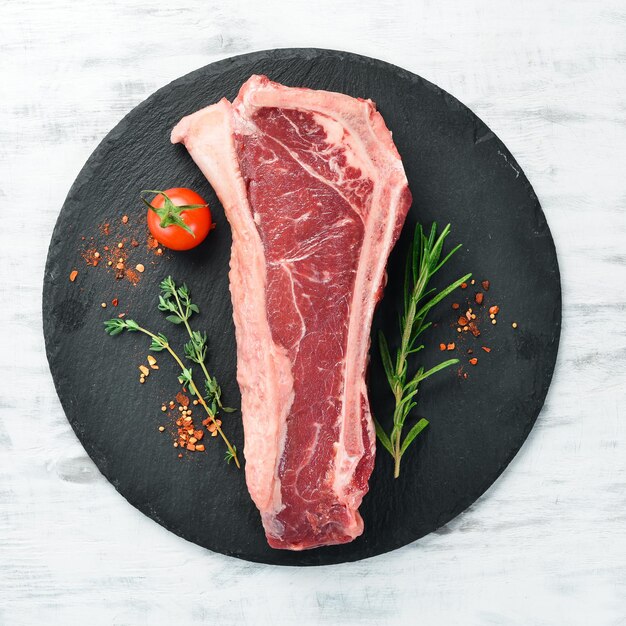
{"type": "Point", "coordinates": [546, 544]}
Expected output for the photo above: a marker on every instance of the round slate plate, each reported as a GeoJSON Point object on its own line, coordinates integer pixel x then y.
{"type": "Point", "coordinates": [459, 172]}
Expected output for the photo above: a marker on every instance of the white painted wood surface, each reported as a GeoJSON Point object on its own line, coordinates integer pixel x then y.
{"type": "Point", "coordinates": [547, 543]}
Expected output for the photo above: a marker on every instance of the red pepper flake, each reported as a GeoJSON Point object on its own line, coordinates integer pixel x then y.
{"type": "Point", "coordinates": [182, 399]}
{"type": "Point", "coordinates": [125, 219]}
{"type": "Point", "coordinates": [463, 285]}
{"type": "Point", "coordinates": [133, 276]}
{"type": "Point", "coordinates": [73, 275]}
{"type": "Point", "coordinates": [486, 349]}
{"type": "Point", "coordinates": [465, 376]}
{"type": "Point", "coordinates": [474, 329]}
{"type": "Point", "coordinates": [450, 346]}
{"type": "Point", "coordinates": [479, 297]}
{"type": "Point", "coordinates": [121, 315]}
{"type": "Point", "coordinates": [470, 351]}
{"type": "Point", "coordinates": [455, 306]}
{"type": "Point", "coordinates": [494, 310]}
{"type": "Point", "coordinates": [485, 285]}
{"type": "Point", "coordinates": [152, 242]}
{"type": "Point", "coordinates": [463, 321]}
{"type": "Point", "coordinates": [114, 302]}
{"type": "Point", "coordinates": [442, 346]}
{"type": "Point", "coordinates": [473, 361]}
{"type": "Point", "coordinates": [134, 243]}
{"type": "Point", "coordinates": [105, 228]}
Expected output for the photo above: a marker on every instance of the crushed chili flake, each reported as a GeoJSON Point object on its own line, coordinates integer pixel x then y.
{"type": "Point", "coordinates": [182, 399]}
{"type": "Point", "coordinates": [73, 275]}
{"type": "Point", "coordinates": [473, 361]}
{"type": "Point", "coordinates": [485, 285]}
{"type": "Point", "coordinates": [451, 346]}
{"type": "Point", "coordinates": [442, 346]}
{"type": "Point", "coordinates": [115, 302]}
{"type": "Point", "coordinates": [478, 298]}
{"type": "Point", "coordinates": [463, 285]}
{"type": "Point", "coordinates": [463, 321]}
{"type": "Point", "coordinates": [486, 349]}
{"type": "Point", "coordinates": [124, 219]}
{"type": "Point", "coordinates": [455, 305]}
{"type": "Point", "coordinates": [470, 351]}
{"type": "Point", "coordinates": [494, 310]}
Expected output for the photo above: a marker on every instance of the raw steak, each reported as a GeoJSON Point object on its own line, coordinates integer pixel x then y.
{"type": "Point", "coordinates": [316, 195]}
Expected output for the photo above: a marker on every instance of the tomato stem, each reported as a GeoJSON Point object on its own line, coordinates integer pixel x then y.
{"type": "Point", "coordinates": [169, 214]}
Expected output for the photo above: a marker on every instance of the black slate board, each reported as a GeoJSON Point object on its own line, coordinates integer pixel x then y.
{"type": "Point", "coordinates": [458, 171]}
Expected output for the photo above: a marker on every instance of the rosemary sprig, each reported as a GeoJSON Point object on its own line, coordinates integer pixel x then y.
{"type": "Point", "coordinates": [423, 262]}
{"type": "Point", "coordinates": [177, 301]}
{"type": "Point", "coordinates": [160, 342]}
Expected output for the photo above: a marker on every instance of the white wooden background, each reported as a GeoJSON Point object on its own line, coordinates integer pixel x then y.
{"type": "Point", "coordinates": [547, 543]}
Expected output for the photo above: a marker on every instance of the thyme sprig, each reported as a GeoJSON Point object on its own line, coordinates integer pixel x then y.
{"type": "Point", "coordinates": [177, 302]}
{"type": "Point", "coordinates": [423, 262]}
{"type": "Point", "coordinates": [160, 342]}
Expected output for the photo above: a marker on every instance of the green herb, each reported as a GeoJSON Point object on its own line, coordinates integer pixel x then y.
{"type": "Point", "coordinates": [423, 262]}
{"type": "Point", "coordinates": [169, 213]}
{"type": "Point", "coordinates": [160, 342]}
{"type": "Point", "coordinates": [177, 301]}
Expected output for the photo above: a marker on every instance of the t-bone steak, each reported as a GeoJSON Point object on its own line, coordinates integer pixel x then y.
{"type": "Point", "coordinates": [316, 195]}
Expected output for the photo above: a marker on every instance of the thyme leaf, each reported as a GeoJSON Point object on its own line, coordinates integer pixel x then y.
{"type": "Point", "coordinates": [177, 300]}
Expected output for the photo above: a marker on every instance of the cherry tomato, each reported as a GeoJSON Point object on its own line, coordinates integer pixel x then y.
{"type": "Point", "coordinates": [178, 218]}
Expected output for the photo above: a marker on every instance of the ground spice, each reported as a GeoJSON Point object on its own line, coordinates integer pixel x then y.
{"type": "Point", "coordinates": [90, 256]}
